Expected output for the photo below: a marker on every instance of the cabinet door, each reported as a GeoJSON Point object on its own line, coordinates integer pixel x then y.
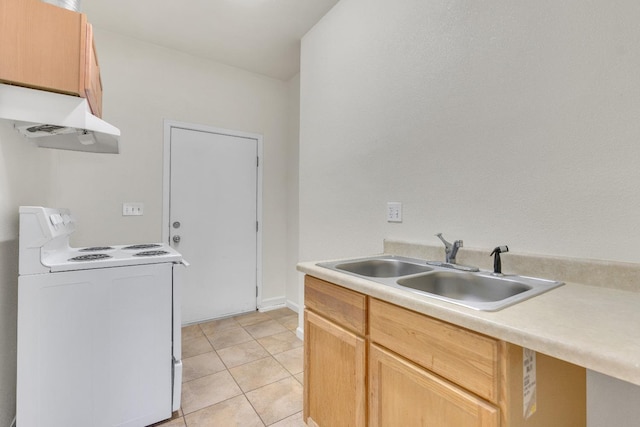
{"type": "Point", "coordinates": [403, 394]}
{"type": "Point", "coordinates": [41, 46]}
{"type": "Point", "coordinates": [334, 374]}
{"type": "Point", "coordinates": [92, 81]}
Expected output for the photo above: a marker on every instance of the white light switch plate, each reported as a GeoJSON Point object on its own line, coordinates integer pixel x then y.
{"type": "Point", "coordinates": [132, 209]}
{"type": "Point", "coordinates": [394, 212]}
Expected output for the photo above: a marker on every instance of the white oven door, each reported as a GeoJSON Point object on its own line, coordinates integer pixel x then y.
{"type": "Point", "coordinates": [94, 347]}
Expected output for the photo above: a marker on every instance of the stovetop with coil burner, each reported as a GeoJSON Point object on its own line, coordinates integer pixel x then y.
{"type": "Point", "coordinates": [151, 253]}
{"type": "Point", "coordinates": [44, 246]}
{"type": "Point", "coordinates": [90, 257]}
{"type": "Point", "coordinates": [98, 252]}
{"type": "Point", "coordinates": [96, 248]}
{"type": "Point", "coordinates": [109, 256]}
{"type": "Point", "coordinates": [143, 246]}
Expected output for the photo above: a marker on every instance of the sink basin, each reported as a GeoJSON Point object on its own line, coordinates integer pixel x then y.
{"type": "Point", "coordinates": [481, 291]}
{"type": "Point", "coordinates": [477, 290]}
{"type": "Point", "coordinates": [382, 267]}
{"type": "Point", "coordinates": [464, 286]}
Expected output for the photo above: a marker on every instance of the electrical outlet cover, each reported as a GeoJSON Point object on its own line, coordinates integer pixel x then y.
{"type": "Point", "coordinates": [394, 212]}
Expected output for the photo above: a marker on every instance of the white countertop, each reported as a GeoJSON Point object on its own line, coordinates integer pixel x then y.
{"type": "Point", "coordinates": [594, 327]}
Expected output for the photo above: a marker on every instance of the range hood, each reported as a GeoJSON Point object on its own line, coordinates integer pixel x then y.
{"type": "Point", "coordinates": [53, 120]}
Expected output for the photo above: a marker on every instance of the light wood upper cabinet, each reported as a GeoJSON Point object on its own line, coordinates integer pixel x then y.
{"type": "Point", "coordinates": [92, 81]}
{"type": "Point", "coordinates": [46, 47]}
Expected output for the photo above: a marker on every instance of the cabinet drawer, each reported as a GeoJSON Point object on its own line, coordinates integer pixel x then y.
{"type": "Point", "coordinates": [464, 357]}
{"type": "Point", "coordinates": [343, 306]}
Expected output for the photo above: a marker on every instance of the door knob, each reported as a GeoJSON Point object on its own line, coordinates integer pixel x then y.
{"type": "Point", "coordinates": [176, 239]}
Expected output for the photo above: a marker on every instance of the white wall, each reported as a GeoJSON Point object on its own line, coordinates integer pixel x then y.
{"type": "Point", "coordinates": [24, 180]}
{"type": "Point", "coordinates": [611, 402]}
{"type": "Point", "coordinates": [293, 189]}
{"type": "Point", "coordinates": [498, 123]}
{"type": "Point", "coordinates": [143, 85]}
{"type": "Point", "coordinates": [494, 122]}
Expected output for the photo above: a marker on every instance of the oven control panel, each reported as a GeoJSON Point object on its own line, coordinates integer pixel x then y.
{"type": "Point", "coordinates": [52, 222]}
{"type": "Point", "coordinates": [61, 220]}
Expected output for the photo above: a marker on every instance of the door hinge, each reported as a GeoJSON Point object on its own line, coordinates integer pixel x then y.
{"type": "Point", "coordinates": [257, 162]}
{"type": "Point", "coordinates": [257, 226]}
{"type": "Point", "coordinates": [256, 291]}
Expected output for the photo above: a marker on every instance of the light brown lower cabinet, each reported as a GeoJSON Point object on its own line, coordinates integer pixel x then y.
{"type": "Point", "coordinates": [335, 357]}
{"type": "Point", "coordinates": [372, 363]}
{"type": "Point", "coordinates": [335, 374]}
{"type": "Point", "coordinates": [404, 394]}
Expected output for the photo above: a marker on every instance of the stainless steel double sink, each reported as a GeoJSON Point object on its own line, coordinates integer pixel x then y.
{"type": "Point", "coordinates": [477, 290]}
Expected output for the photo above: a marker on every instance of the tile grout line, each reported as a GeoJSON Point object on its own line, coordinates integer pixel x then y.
{"type": "Point", "coordinates": [289, 376]}
{"type": "Point", "coordinates": [271, 355]}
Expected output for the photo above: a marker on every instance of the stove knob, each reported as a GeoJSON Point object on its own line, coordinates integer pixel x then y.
{"type": "Point", "coordinates": [176, 239]}
{"type": "Point", "coordinates": [56, 219]}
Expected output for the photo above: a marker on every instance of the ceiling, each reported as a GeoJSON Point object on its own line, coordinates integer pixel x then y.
{"type": "Point", "coordinates": [262, 36]}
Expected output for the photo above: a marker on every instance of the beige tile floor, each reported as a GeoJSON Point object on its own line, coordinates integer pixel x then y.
{"type": "Point", "coordinates": [242, 371]}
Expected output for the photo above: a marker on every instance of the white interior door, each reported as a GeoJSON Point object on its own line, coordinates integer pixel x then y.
{"type": "Point", "coordinates": [213, 218]}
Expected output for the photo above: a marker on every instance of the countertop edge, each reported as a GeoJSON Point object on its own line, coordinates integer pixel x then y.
{"type": "Point", "coordinates": [564, 336]}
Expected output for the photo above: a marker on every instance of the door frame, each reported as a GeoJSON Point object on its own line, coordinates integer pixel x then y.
{"type": "Point", "coordinates": [166, 185]}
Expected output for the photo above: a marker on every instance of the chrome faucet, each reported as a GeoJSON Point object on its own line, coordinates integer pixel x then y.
{"type": "Point", "coordinates": [450, 249]}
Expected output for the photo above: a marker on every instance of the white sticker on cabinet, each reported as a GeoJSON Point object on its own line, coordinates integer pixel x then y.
{"type": "Point", "coordinates": [528, 382]}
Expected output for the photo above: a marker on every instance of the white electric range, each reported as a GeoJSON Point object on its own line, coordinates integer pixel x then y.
{"type": "Point", "coordinates": [99, 328]}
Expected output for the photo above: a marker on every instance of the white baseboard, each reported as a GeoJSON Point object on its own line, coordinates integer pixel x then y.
{"type": "Point", "coordinates": [293, 306]}
{"type": "Point", "coordinates": [276, 303]}
{"type": "Point", "coordinates": [264, 309]}
{"type": "Point", "coordinates": [272, 304]}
